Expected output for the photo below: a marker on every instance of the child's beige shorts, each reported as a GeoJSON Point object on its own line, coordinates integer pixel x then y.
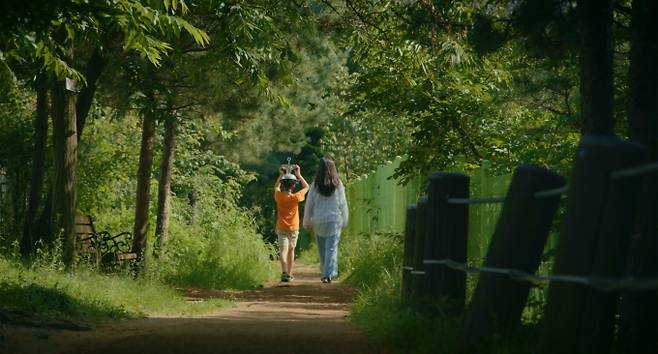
{"type": "Point", "coordinates": [287, 238]}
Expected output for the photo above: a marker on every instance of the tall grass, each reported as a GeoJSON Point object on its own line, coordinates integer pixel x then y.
{"type": "Point", "coordinates": [374, 265]}
{"type": "Point", "coordinates": [223, 250]}
{"type": "Point", "coordinates": [368, 258]}
{"type": "Point", "coordinates": [214, 246]}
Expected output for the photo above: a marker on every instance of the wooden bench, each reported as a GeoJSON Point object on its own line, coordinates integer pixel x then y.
{"type": "Point", "coordinates": [106, 250]}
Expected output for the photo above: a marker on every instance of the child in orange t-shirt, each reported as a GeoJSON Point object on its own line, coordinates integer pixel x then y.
{"type": "Point", "coordinates": [287, 207]}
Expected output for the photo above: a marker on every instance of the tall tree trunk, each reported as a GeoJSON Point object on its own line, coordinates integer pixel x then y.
{"type": "Point", "coordinates": [97, 63]}
{"type": "Point", "coordinates": [95, 66]}
{"type": "Point", "coordinates": [38, 165]}
{"type": "Point", "coordinates": [65, 159]}
{"type": "Point", "coordinates": [164, 185]}
{"type": "Point", "coordinates": [596, 75]}
{"type": "Point", "coordinates": [140, 231]}
{"type": "Point", "coordinates": [639, 310]}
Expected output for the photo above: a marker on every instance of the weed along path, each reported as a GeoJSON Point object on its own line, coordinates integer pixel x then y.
{"type": "Point", "coordinates": [304, 316]}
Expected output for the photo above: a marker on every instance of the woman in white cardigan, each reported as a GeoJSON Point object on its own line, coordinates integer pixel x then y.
{"type": "Point", "coordinates": [325, 213]}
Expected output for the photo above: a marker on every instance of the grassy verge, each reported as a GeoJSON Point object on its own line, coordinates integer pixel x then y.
{"type": "Point", "coordinates": [373, 263]}
{"type": "Point", "coordinates": [221, 251]}
{"type": "Point", "coordinates": [46, 292]}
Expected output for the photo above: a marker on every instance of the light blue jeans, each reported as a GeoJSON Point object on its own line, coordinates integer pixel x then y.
{"type": "Point", "coordinates": [328, 249]}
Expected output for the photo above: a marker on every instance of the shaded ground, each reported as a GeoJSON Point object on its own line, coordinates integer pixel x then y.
{"type": "Point", "coordinates": [304, 316]}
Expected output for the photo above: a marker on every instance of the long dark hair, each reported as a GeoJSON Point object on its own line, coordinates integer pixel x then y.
{"type": "Point", "coordinates": [326, 179]}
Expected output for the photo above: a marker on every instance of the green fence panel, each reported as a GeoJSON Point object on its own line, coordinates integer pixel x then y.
{"type": "Point", "coordinates": [483, 217]}
{"type": "Point", "coordinates": [378, 203]}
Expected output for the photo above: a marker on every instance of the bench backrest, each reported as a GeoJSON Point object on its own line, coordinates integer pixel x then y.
{"type": "Point", "coordinates": [85, 233]}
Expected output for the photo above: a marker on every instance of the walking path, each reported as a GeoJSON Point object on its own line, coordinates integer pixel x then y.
{"type": "Point", "coordinates": [304, 316]}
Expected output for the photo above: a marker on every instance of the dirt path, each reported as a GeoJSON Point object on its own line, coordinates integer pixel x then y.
{"type": "Point", "coordinates": [304, 316]}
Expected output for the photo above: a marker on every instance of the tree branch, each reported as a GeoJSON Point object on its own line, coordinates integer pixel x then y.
{"type": "Point", "coordinates": [326, 2]}
{"type": "Point", "coordinates": [553, 110]}
{"type": "Point", "coordinates": [361, 17]}
{"type": "Point", "coordinates": [464, 136]}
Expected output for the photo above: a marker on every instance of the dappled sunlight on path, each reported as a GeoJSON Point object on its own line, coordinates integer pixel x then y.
{"type": "Point", "coordinates": [304, 316]}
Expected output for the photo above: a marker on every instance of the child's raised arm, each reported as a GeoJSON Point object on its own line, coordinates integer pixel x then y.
{"type": "Point", "coordinates": [298, 174]}
{"type": "Point", "coordinates": [277, 185]}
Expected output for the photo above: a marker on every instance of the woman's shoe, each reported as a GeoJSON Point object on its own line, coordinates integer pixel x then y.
{"type": "Point", "coordinates": [285, 277]}
{"type": "Point", "coordinates": [325, 280]}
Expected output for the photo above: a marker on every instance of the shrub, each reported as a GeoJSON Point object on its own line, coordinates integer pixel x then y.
{"type": "Point", "coordinates": [226, 252]}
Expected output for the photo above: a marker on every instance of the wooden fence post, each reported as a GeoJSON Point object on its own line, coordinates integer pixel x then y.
{"type": "Point", "coordinates": [638, 327]}
{"type": "Point", "coordinates": [518, 243]}
{"type": "Point", "coordinates": [408, 260]}
{"type": "Point", "coordinates": [594, 239]}
{"type": "Point", "coordinates": [418, 278]}
{"type": "Point", "coordinates": [447, 238]}
{"type": "Point", "coordinates": [611, 255]}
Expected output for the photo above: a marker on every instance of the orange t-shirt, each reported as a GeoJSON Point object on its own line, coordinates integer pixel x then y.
{"type": "Point", "coordinates": [287, 207]}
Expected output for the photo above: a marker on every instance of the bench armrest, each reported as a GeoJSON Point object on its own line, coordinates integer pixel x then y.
{"type": "Point", "coordinates": [116, 243]}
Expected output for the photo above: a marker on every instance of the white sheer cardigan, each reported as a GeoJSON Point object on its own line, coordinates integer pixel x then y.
{"type": "Point", "coordinates": [326, 216]}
